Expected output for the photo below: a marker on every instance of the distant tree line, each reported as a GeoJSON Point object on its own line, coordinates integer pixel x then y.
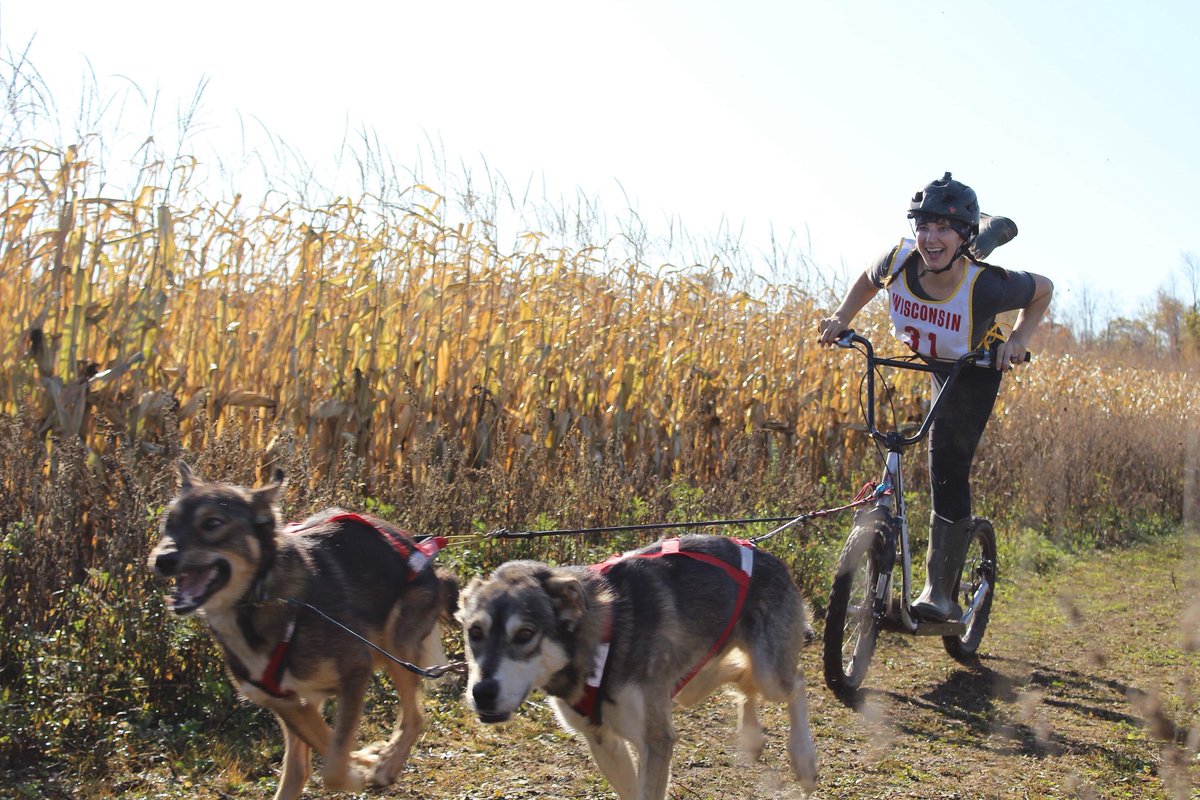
{"type": "Point", "coordinates": [1166, 326]}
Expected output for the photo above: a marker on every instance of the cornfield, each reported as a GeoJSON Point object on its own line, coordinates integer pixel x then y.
{"type": "Point", "coordinates": [377, 329]}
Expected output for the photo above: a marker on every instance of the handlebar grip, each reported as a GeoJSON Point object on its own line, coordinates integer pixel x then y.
{"type": "Point", "coordinates": [995, 346]}
{"type": "Point", "coordinates": [989, 359]}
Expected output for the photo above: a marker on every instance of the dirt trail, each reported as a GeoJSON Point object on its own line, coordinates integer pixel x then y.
{"type": "Point", "coordinates": [1074, 671]}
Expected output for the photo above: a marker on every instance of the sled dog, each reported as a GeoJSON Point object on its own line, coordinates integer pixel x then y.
{"type": "Point", "coordinates": [612, 644]}
{"type": "Point", "coordinates": [244, 572]}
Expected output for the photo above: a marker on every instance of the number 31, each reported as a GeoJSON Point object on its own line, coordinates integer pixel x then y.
{"type": "Point", "coordinates": [913, 339]}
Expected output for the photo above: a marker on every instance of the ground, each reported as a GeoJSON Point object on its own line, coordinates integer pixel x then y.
{"type": "Point", "coordinates": [1085, 688]}
{"type": "Point", "coordinates": [1077, 674]}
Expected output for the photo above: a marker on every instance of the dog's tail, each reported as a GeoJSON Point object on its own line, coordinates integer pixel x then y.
{"type": "Point", "coordinates": [447, 583]}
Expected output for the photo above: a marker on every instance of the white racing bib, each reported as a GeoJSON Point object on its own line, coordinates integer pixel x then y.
{"type": "Point", "coordinates": [933, 328]}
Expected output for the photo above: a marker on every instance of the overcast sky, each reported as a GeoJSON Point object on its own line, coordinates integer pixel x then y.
{"type": "Point", "coordinates": [1076, 119]}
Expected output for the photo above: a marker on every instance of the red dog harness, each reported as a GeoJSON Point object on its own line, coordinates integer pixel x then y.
{"type": "Point", "coordinates": [272, 676]}
{"type": "Point", "coordinates": [415, 554]}
{"type": "Point", "coordinates": [588, 705]}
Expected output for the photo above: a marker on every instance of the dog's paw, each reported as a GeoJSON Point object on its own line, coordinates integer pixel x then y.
{"type": "Point", "coordinates": [368, 756]}
{"type": "Point", "coordinates": [350, 780]}
{"type": "Point", "coordinates": [804, 767]}
{"type": "Point", "coordinates": [380, 762]}
{"type": "Point", "coordinates": [751, 743]}
{"type": "Point", "coordinates": [386, 773]}
{"type": "Point", "coordinates": [391, 763]}
{"type": "Point", "coordinates": [749, 757]}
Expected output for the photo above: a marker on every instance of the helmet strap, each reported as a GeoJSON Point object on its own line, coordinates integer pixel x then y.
{"type": "Point", "coordinates": [930, 271]}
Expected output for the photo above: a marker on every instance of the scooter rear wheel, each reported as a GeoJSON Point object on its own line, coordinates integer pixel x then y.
{"type": "Point", "coordinates": [978, 568]}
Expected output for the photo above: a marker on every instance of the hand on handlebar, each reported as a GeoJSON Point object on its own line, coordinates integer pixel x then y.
{"type": "Point", "coordinates": [1009, 354]}
{"type": "Point", "coordinates": [829, 330]}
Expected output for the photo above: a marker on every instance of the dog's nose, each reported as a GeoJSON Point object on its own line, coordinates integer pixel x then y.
{"type": "Point", "coordinates": [166, 562]}
{"type": "Point", "coordinates": [485, 693]}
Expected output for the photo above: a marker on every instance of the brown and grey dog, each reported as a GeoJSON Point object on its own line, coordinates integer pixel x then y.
{"type": "Point", "coordinates": [612, 644]}
{"type": "Point", "coordinates": [246, 573]}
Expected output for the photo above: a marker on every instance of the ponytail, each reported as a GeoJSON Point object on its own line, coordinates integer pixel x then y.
{"type": "Point", "coordinates": [890, 278]}
{"type": "Point", "coordinates": [1000, 271]}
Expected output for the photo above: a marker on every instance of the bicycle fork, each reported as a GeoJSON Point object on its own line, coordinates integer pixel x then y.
{"type": "Point", "coordinates": [896, 543]}
{"type": "Point", "coordinates": [984, 572]}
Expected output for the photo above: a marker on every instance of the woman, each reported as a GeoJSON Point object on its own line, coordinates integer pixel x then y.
{"type": "Point", "coordinates": [943, 301]}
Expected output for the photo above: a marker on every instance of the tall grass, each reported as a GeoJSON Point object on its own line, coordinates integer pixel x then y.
{"type": "Point", "coordinates": [1087, 450]}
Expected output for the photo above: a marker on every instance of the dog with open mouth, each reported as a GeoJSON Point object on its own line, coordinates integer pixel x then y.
{"type": "Point", "coordinates": [613, 644]}
{"type": "Point", "coordinates": [256, 583]}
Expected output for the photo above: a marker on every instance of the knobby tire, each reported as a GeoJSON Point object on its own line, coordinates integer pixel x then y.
{"type": "Point", "coordinates": [851, 627]}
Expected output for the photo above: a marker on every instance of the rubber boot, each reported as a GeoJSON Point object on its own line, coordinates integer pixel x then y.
{"type": "Point", "coordinates": [947, 551]}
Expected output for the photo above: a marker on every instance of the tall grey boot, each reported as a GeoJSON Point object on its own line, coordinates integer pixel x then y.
{"type": "Point", "coordinates": [944, 561]}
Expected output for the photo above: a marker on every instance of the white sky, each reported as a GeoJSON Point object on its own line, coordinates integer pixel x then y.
{"type": "Point", "coordinates": [1077, 119]}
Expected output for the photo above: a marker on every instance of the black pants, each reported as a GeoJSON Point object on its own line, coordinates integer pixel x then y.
{"type": "Point", "coordinates": [955, 434]}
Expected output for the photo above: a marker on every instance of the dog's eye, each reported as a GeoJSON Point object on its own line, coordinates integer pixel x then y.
{"type": "Point", "coordinates": [475, 633]}
{"type": "Point", "coordinates": [524, 635]}
{"type": "Point", "coordinates": [211, 523]}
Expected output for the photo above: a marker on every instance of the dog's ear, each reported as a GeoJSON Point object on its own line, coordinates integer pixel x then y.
{"type": "Point", "coordinates": [568, 595]}
{"type": "Point", "coordinates": [186, 478]}
{"type": "Point", "coordinates": [265, 500]}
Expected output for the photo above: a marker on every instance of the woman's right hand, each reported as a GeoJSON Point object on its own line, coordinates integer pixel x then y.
{"type": "Point", "coordinates": [858, 295]}
{"type": "Point", "coordinates": [829, 328]}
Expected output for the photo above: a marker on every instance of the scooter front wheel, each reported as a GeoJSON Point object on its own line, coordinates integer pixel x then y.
{"type": "Point", "coordinates": [851, 625]}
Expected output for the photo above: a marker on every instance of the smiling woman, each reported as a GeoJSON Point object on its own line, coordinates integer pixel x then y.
{"type": "Point", "coordinates": [934, 284]}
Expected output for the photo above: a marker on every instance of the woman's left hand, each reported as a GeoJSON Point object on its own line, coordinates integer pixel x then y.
{"type": "Point", "coordinates": [1009, 354]}
{"type": "Point", "coordinates": [1013, 352]}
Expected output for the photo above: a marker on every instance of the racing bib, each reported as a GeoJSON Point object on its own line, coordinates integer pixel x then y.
{"type": "Point", "coordinates": [933, 328]}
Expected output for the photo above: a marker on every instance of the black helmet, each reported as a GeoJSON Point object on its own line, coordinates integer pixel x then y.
{"type": "Point", "coordinates": [948, 199]}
